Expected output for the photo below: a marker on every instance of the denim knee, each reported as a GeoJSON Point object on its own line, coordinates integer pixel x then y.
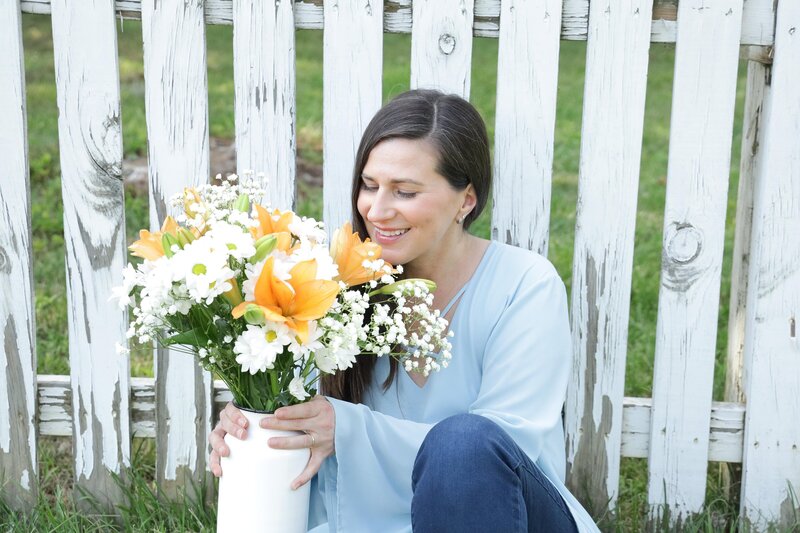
{"type": "Point", "coordinates": [458, 440]}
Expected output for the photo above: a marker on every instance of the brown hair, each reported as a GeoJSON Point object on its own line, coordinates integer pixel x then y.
{"type": "Point", "coordinates": [457, 131]}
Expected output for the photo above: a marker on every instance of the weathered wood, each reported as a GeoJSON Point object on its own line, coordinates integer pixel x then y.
{"type": "Point", "coordinates": [757, 90]}
{"type": "Point", "coordinates": [90, 145]}
{"type": "Point", "coordinates": [55, 420]}
{"type": "Point", "coordinates": [611, 139]}
{"type": "Point", "coordinates": [176, 99]}
{"type": "Point", "coordinates": [525, 116]}
{"type": "Point", "coordinates": [351, 85]}
{"type": "Point", "coordinates": [701, 128]}
{"type": "Point", "coordinates": [441, 45]}
{"type": "Point", "coordinates": [771, 467]}
{"type": "Point", "coordinates": [759, 17]}
{"type": "Point", "coordinates": [264, 86]}
{"type": "Point", "coordinates": [18, 463]}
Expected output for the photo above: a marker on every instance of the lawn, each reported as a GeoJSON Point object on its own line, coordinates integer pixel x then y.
{"type": "Point", "coordinates": [48, 241]}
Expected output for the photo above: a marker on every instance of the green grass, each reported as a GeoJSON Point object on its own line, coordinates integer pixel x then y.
{"type": "Point", "coordinates": [48, 242]}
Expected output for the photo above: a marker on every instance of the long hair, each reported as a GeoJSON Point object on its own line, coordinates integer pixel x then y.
{"type": "Point", "coordinates": [455, 129]}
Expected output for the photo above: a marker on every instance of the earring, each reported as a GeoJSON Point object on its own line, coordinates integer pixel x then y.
{"type": "Point", "coordinates": [459, 220]}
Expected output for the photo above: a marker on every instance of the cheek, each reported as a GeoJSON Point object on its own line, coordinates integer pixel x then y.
{"type": "Point", "coordinates": [362, 205]}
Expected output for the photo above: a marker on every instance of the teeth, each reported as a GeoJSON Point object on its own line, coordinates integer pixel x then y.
{"type": "Point", "coordinates": [392, 233]}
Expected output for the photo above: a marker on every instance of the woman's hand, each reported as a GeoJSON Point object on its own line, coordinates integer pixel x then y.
{"type": "Point", "coordinates": [231, 420]}
{"type": "Point", "coordinates": [317, 420]}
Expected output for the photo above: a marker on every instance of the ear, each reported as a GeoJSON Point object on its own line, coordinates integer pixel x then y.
{"type": "Point", "coordinates": [470, 200]}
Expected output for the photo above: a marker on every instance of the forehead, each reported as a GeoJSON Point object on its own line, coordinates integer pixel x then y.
{"type": "Point", "coordinates": [402, 159]}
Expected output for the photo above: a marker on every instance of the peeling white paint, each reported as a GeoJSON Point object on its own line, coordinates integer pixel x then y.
{"type": "Point", "coordinates": [771, 352]}
{"type": "Point", "coordinates": [527, 75]}
{"type": "Point", "coordinates": [756, 30]}
{"type": "Point", "coordinates": [24, 480]}
{"type": "Point", "coordinates": [264, 86]}
{"type": "Point", "coordinates": [701, 129]}
{"type": "Point", "coordinates": [176, 100]}
{"type": "Point", "coordinates": [17, 325]}
{"type": "Point", "coordinates": [441, 45]}
{"type": "Point", "coordinates": [90, 145]}
{"type": "Point", "coordinates": [611, 139]}
{"type": "Point", "coordinates": [352, 81]}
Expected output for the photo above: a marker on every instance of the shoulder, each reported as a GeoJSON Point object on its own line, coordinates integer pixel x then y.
{"type": "Point", "coordinates": [516, 268]}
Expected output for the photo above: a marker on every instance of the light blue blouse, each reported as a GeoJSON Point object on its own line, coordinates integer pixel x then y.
{"type": "Point", "coordinates": [511, 362]}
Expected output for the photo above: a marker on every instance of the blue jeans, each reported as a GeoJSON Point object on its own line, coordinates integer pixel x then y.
{"type": "Point", "coordinates": [470, 475]}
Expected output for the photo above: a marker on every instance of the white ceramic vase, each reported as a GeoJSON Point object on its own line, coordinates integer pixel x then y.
{"type": "Point", "coordinates": [255, 488]}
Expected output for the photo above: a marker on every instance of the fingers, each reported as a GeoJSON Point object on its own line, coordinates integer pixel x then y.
{"type": "Point", "coordinates": [294, 412]}
{"type": "Point", "coordinates": [313, 466]}
{"type": "Point", "coordinates": [217, 440]}
{"type": "Point", "coordinates": [213, 463]}
{"type": "Point", "coordinates": [291, 443]}
{"type": "Point", "coordinates": [233, 421]}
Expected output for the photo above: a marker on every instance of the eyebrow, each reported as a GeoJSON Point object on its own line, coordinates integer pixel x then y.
{"type": "Point", "coordinates": [395, 180]}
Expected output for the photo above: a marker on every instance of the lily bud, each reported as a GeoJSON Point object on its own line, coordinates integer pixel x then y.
{"type": "Point", "coordinates": [254, 315]}
{"type": "Point", "coordinates": [233, 296]}
{"type": "Point", "coordinates": [167, 240]}
{"type": "Point", "coordinates": [185, 236]}
{"type": "Point", "coordinates": [242, 203]}
{"type": "Point", "coordinates": [264, 247]}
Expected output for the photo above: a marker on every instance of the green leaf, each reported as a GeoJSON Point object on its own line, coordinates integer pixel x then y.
{"type": "Point", "coordinates": [193, 337]}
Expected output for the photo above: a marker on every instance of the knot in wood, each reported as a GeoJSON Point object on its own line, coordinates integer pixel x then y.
{"type": "Point", "coordinates": [683, 242]}
{"type": "Point", "coordinates": [447, 43]}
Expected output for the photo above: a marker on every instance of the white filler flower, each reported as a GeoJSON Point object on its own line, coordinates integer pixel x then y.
{"type": "Point", "coordinates": [297, 388]}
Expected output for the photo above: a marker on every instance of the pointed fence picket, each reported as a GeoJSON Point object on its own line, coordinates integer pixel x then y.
{"type": "Point", "coordinates": [679, 430]}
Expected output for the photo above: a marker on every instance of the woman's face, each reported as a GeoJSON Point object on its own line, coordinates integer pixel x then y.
{"type": "Point", "coordinates": [409, 208]}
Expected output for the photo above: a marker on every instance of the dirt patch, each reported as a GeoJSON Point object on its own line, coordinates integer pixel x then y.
{"type": "Point", "coordinates": [223, 161]}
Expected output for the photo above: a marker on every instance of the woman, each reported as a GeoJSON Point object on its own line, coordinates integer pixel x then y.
{"type": "Point", "coordinates": [478, 446]}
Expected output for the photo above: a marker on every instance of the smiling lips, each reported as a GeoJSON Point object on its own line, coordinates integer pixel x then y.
{"type": "Point", "coordinates": [383, 236]}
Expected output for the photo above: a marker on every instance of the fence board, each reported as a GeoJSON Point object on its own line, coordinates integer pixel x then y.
{"type": "Point", "coordinates": [527, 78]}
{"type": "Point", "coordinates": [90, 144]}
{"type": "Point", "coordinates": [755, 95]}
{"type": "Point", "coordinates": [757, 29]}
{"type": "Point", "coordinates": [264, 85]}
{"type": "Point", "coordinates": [177, 133]}
{"type": "Point", "coordinates": [771, 468]}
{"type": "Point", "coordinates": [352, 81]}
{"type": "Point", "coordinates": [18, 466]}
{"type": "Point", "coordinates": [441, 45]}
{"type": "Point", "coordinates": [701, 128]}
{"type": "Point", "coordinates": [611, 139]}
{"type": "Point", "coordinates": [726, 423]}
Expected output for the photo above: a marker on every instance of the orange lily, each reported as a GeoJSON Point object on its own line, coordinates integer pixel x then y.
{"type": "Point", "coordinates": [295, 302]}
{"type": "Point", "coordinates": [350, 252]}
{"type": "Point", "coordinates": [276, 223]}
{"type": "Point", "coordinates": [149, 244]}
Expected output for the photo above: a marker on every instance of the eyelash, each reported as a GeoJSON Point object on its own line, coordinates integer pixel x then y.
{"type": "Point", "coordinates": [401, 194]}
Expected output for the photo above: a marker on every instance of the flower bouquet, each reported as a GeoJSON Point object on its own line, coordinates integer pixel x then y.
{"type": "Point", "coordinates": [262, 301]}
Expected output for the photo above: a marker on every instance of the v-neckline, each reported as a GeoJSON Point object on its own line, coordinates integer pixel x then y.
{"type": "Point", "coordinates": [452, 302]}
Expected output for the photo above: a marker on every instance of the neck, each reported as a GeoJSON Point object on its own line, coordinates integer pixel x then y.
{"type": "Point", "coordinates": [445, 261]}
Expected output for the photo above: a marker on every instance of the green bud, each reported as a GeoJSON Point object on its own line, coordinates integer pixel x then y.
{"type": "Point", "coordinates": [254, 315]}
{"type": "Point", "coordinates": [264, 247]}
{"type": "Point", "coordinates": [242, 203]}
{"type": "Point", "coordinates": [167, 240]}
{"type": "Point", "coordinates": [185, 235]}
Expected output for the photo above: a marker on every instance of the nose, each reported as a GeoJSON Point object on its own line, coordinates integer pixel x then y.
{"type": "Point", "coordinates": [381, 207]}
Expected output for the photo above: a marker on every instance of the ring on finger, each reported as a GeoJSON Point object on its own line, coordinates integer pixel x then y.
{"type": "Point", "coordinates": [313, 439]}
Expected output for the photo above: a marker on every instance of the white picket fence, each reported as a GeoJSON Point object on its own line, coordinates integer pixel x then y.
{"type": "Point", "coordinates": [679, 430]}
